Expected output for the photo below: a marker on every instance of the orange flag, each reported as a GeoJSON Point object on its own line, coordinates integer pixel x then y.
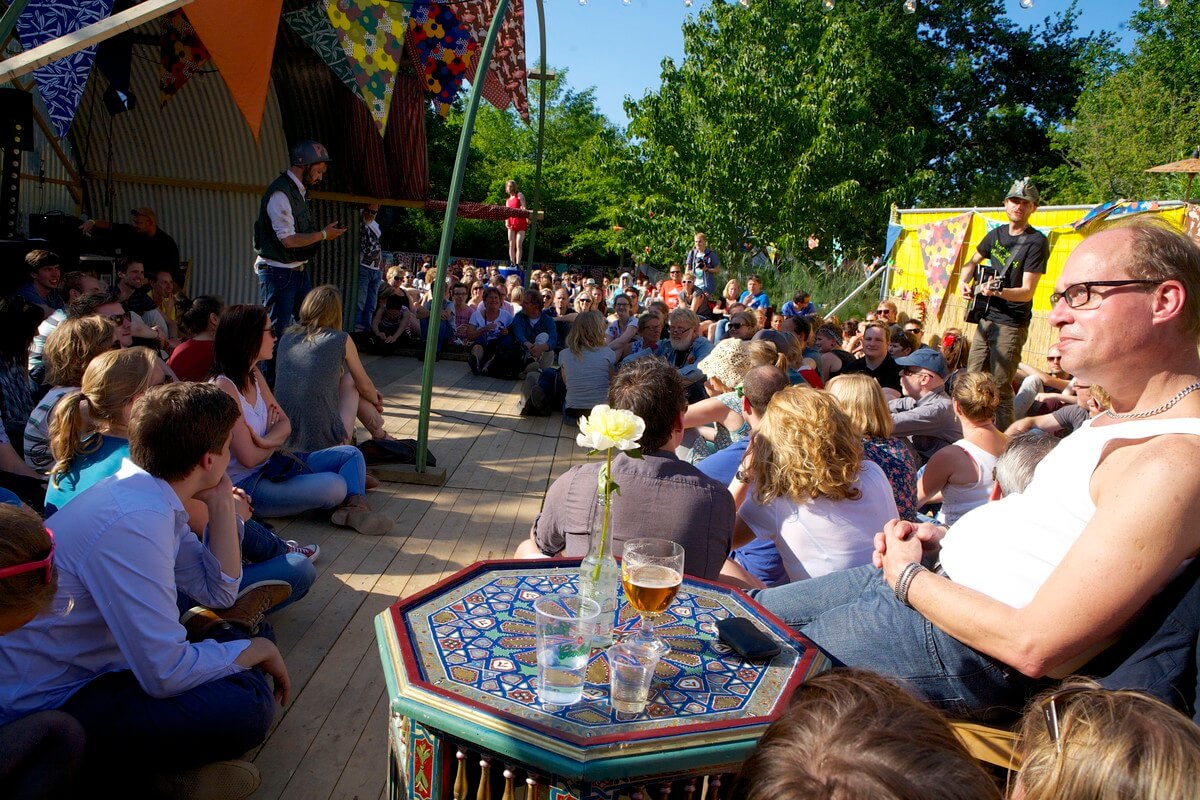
{"type": "Point", "coordinates": [240, 38]}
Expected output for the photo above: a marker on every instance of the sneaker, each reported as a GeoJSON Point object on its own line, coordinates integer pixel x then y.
{"type": "Point", "coordinates": [247, 612]}
{"type": "Point", "coordinates": [309, 551]}
{"type": "Point", "coordinates": [223, 780]}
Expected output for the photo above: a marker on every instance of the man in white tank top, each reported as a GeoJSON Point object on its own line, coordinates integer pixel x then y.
{"type": "Point", "coordinates": [1037, 583]}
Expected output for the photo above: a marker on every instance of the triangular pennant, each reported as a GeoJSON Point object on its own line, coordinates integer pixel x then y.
{"type": "Point", "coordinates": [893, 235]}
{"type": "Point", "coordinates": [1129, 209]}
{"type": "Point", "coordinates": [61, 83]}
{"type": "Point", "coordinates": [510, 57]}
{"type": "Point", "coordinates": [941, 242]}
{"type": "Point", "coordinates": [476, 16]}
{"type": "Point", "coordinates": [181, 55]}
{"type": "Point", "coordinates": [313, 26]}
{"type": "Point", "coordinates": [1098, 213]}
{"type": "Point", "coordinates": [243, 51]}
{"type": "Point", "coordinates": [1191, 221]}
{"type": "Point", "coordinates": [371, 33]}
{"type": "Point", "coordinates": [441, 49]}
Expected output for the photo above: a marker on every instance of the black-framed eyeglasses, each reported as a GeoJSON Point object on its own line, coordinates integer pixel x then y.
{"type": "Point", "coordinates": [46, 564]}
{"type": "Point", "coordinates": [1054, 358]}
{"type": "Point", "coordinates": [883, 311]}
{"type": "Point", "coordinates": [1079, 295]}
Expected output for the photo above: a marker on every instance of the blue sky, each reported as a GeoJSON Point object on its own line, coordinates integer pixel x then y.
{"type": "Point", "coordinates": [617, 48]}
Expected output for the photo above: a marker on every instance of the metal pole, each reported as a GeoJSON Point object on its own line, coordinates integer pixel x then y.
{"type": "Point", "coordinates": [537, 176]}
{"type": "Point", "coordinates": [858, 289]}
{"type": "Point", "coordinates": [456, 182]}
{"type": "Point", "coordinates": [9, 20]}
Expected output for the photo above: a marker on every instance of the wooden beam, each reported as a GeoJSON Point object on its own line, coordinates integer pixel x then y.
{"type": "Point", "coordinates": [25, 176]}
{"type": "Point", "coordinates": [85, 37]}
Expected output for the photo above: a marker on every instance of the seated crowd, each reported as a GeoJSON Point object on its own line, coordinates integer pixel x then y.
{"type": "Point", "coordinates": [137, 569]}
{"type": "Point", "coordinates": [877, 508]}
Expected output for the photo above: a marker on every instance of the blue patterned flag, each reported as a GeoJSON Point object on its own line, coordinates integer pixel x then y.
{"type": "Point", "coordinates": [60, 83]}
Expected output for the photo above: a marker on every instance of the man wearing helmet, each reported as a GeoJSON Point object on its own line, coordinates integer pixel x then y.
{"type": "Point", "coordinates": [1017, 252]}
{"type": "Point", "coordinates": [286, 236]}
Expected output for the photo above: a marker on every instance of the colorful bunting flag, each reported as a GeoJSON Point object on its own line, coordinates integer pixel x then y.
{"type": "Point", "coordinates": [312, 24]}
{"type": "Point", "coordinates": [371, 34]}
{"type": "Point", "coordinates": [941, 242]}
{"type": "Point", "coordinates": [61, 83]}
{"type": "Point", "coordinates": [1191, 221]}
{"type": "Point", "coordinates": [476, 16]}
{"type": "Point", "coordinates": [1096, 214]}
{"type": "Point", "coordinates": [181, 55]}
{"type": "Point", "coordinates": [510, 57]}
{"type": "Point", "coordinates": [441, 49]}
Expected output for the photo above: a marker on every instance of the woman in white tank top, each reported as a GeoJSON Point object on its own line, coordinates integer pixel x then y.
{"type": "Point", "coordinates": [282, 484]}
{"type": "Point", "coordinates": [960, 476]}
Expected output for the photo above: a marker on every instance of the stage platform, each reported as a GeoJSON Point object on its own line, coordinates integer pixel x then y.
{"type": "Point", "coordinates": [331, 740]}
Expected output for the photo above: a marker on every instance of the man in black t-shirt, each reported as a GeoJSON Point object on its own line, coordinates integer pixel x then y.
{"type": "Point", "coordinates": [1018, 254]}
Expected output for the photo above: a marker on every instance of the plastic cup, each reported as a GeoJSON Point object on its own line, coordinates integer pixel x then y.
{"type": "Point", "coordinates": [565, 626]}
{"type": "Point", "coordinates": [631, 668]}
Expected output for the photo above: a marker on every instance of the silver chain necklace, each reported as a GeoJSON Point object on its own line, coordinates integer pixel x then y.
{"type": "Point", "coordinates": [1184, 392]}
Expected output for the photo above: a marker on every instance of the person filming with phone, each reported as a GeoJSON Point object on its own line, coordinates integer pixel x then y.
{"type": "Point", "coordinates": [1017, 253]}
{"type": "Point", "coordinates": [286, 235]}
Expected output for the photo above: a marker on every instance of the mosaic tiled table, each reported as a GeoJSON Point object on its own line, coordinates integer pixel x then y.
{"type": "Point", "coordinates": [461, 664]}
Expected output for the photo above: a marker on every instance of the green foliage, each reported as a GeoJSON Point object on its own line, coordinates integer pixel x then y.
{"type": "Point", "coordinates": [1137, 111]}
{"type": "Point", "coordinates": [783, 122]}
{"type": "Point", "coordinates": [575, 189]}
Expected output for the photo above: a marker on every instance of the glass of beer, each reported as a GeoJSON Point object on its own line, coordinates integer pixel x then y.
{"type": "Point", "coordinates": [651, 572]}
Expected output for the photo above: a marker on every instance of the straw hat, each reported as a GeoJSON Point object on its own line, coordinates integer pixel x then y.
{"type": "Point", "coordinates": [728, 362]}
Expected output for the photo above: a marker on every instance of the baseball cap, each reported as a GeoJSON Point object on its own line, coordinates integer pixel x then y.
{"type": "Point", "coordinates": [925, 358]}
{"type": "Point", "coordinates": [590, 282]}
{"type": "Point", "coordinates": [1024, 189]}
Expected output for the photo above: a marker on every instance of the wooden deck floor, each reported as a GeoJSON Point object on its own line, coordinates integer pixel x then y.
{"type": "Point", "coordinates": [331, 740]}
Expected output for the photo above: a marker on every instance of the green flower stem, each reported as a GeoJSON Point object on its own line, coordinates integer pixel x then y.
{"type": "Point", "coordinates": [606, 480]}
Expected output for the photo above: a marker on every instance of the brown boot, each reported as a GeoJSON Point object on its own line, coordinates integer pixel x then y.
{"type": "Point", "coordinates": [247, 611]}
{"type": "Point", "coordinates": [357, 514]}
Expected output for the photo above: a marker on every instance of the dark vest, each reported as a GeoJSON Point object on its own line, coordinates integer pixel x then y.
{"type": "Point", "coordinates": [266, 243]}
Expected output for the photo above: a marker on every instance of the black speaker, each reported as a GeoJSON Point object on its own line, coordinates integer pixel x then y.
{"type": "Point", "coordinates": [16, 120]}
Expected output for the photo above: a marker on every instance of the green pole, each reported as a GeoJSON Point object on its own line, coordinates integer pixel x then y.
{"type": "Point", "coordinates": [9, 20]}
{"type": "Point", "coordinates": [443, 258]}
{"type": "Point", "coordinates": [537, 178]}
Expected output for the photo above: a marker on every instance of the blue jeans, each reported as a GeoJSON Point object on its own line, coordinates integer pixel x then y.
{"type": "Point", "coordinates": [368, 295]}
{"type": "Point", "coordinates": [128, 729]}
{"type": "Point", "coordinates": [722, 326]}
{"type": "Point", "coordinates": [265, 557]}
{"type": "Point", "coordinates": [337, 473]}
{"type": "Point", "coordinates": [445, 332]}
{"type": "Point", "coordinates": [855, 617]}
{"type": "Point", "coordinates": [281, 291]}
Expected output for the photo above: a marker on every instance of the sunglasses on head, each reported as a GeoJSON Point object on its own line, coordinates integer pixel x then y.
{"type": "Point", "coordinates": [734, 326]}
{"type": "Point", "coordinates": [46, 564]}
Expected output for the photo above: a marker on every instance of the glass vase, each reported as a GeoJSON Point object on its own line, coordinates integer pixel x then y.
{"type": "Point", "coordinates": [599, 574]}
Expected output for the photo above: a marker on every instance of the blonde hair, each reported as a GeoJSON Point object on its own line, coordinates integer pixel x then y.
{"type": "Point", "coordinates": [109, 384]}
{"type": "Point", "coordinates": [320, 311]}
{"type": "Point", "coordinates": [977, 395]}
{"type": "Point", "coordinates": [1101, 396]}
{"type": "Point", "coordinates": [394, 272]}
{"type": "Point", "coordinates": [71, 347]}
{"type": "Point", "coordinates": [1115, 744]}
{"type": "Point", "coordinates": [587, 331]}
{"type": "Point", "coordinates": [861, 397]}
{"type": "Point", "coordinates": [805, 448]}
{"type": "Point", "coordinates": [764, 354]}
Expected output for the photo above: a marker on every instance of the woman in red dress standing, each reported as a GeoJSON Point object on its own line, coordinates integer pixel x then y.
{"type": "Point", "coordinates": [516, 225]}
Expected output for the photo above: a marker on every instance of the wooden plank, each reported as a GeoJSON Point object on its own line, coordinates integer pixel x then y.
{"type": "Point", "coordinates": [85, 37]}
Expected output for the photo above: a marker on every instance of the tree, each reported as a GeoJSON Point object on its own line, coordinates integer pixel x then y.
{"type": "Point", "coordinates": [1137, 111]}
{"type": "Point", "coordinates": [783, 122]}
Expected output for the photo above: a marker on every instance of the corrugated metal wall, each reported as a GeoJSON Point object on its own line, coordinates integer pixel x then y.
{"type": "Point", "coordinates": [196, 163]}
{"type": "Point", "coordinates": [38, 196]}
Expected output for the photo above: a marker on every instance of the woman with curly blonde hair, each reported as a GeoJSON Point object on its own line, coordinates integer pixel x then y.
{"type": "Point", "coordinates": [811, 491]}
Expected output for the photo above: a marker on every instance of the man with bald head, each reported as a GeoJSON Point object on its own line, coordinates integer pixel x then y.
{"type": "Point", "coordinates": [1038, 583]}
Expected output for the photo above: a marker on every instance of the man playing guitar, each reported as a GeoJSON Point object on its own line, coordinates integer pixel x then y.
{"type": "Point", "coordinates": [1018, 252]}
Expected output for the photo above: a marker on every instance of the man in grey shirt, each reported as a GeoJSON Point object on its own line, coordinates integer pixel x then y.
{"type": "Point", "coordinates": [926, 413]}
{"type": "Point", "coordinates": [661, 496]}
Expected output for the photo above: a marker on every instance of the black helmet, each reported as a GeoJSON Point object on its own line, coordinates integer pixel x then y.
{"type": "Point", "coordinates": [309, 152]}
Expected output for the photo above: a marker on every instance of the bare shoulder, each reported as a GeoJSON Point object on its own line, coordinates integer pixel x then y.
{"type": "Point", "coordinates": [1165, 465]}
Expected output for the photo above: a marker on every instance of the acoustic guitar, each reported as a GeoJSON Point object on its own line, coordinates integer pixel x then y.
{"type": "Point", "coordinates": [980, 302]}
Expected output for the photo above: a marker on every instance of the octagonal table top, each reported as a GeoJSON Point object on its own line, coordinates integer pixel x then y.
{"type": "Point", "coordinates": [461, 657]}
